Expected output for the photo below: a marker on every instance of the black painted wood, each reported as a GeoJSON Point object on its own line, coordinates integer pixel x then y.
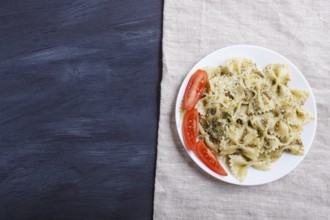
{"type": "Point", "coordinates": [79, 96]}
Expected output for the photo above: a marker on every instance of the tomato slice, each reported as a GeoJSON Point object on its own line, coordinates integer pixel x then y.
{"type": "Point", "coordinates": [190, 128]}
{"type": "Point", "coordinates": [194, 90]}
{"type": "Point", "coordinates": [207, 157]}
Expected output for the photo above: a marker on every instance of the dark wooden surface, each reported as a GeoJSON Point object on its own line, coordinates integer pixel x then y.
{"type": "Point", "coordinates": [79, 96]}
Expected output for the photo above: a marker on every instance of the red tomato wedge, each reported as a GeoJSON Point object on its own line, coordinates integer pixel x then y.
{"type": "Point", "coordinates": [190, 128]}
{"type": "Point", "coordinates": [207, 157]}
{"type": "Point", "coordinates": [194, 90]}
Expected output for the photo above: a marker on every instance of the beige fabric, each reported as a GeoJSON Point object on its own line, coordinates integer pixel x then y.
{"type": "Point", "coordinates": [300, 30]}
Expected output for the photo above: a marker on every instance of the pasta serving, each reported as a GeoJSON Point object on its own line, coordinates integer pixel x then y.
{"type": "Point", "coordinates": [251, 117]}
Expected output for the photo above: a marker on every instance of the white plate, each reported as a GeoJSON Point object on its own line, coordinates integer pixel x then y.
{"type": "Point", "coordinates": [262, 57]}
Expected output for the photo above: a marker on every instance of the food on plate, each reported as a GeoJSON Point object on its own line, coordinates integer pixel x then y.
{"type": "Point", "coordinates": [190, 128]}
{"type": "Point", "coordinates": [208, 158]}
{"type": "Point", "coordinates": [195, 89]}
{"type": "Point", "coordinates": [193, 93]}
{"type": "Point", "coordinates": [245, 116]}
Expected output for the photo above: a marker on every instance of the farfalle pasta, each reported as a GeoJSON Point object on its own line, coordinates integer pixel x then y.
{"type": "Point", "coordinates": [250, 117]}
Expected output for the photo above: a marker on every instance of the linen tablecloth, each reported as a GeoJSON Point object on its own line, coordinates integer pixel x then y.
{"type": "Point", "coordinates": [300, 30]}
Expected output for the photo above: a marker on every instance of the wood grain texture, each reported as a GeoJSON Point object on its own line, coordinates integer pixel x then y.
{"type": "Point", "coordinates": [79, 91]}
